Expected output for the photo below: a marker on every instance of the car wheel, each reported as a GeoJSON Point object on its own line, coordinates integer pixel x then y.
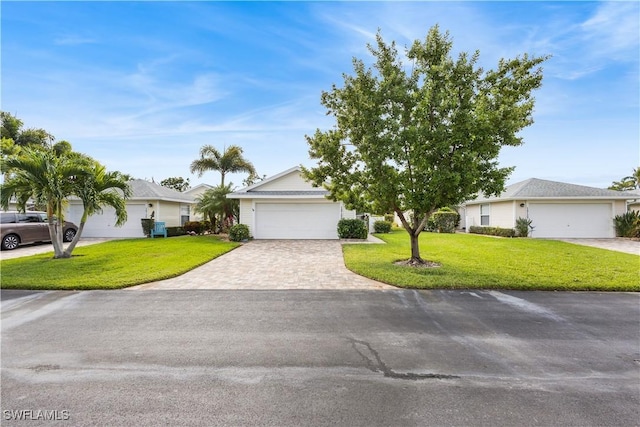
{"type": "Point", "coordinates": [69, 234]}
{"type": "Point", "coordinates": [10, 241]}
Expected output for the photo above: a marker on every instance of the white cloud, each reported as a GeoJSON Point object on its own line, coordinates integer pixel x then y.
{"type": "Point", "coordinates": [613, 31]}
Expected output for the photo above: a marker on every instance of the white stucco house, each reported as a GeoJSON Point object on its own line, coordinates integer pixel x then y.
{"type": "Point", "coordinates": [557, 209]}
{"type": "Point", "coordinates": [147, 199]}
{"type": "Point", "coordinates": [286, 206]}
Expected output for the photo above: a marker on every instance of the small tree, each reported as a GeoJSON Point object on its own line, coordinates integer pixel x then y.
{"type": "Point", "coordinates": [419, 137]}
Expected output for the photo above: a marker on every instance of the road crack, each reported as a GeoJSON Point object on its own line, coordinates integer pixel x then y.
{"type": "Point", "coordinates": [375, 363]}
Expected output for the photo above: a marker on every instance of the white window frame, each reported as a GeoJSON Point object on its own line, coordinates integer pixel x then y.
{"type": "Point", "coordinates": [485, 214]}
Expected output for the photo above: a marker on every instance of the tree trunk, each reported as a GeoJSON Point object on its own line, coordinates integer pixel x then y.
{"type": "Point", "coordinates": [415, 248]}
{"type": "Point", "coordinates": [76, 238]}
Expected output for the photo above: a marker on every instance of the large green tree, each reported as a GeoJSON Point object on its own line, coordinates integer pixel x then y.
{"type": "Point", "coordinates": [418, 136]}
{"type": "Point", "coordinates": [231, 160]}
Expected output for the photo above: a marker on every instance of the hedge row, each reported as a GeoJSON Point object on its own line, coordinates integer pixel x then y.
{"type": "Point", "coordinates": [492, 231]}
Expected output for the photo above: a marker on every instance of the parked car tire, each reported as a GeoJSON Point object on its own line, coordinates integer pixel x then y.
{"type": "Point", "coordinates": [69, 234]}
{"type": "Point", "coordinates": [10, 242]}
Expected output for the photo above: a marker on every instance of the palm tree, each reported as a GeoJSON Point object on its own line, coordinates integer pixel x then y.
{"type": "Point", "coordinates": [48, 179]}
{"type": "Point", "coordinates": [217, 208]}
{"type": "Point", "coordinates": [230, 161]}
{"type": "Point", "coordinates": [97, 189]}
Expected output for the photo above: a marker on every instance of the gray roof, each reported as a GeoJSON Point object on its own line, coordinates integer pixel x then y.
{"type": "Point", "coordinates": [289, 193]}
{"type": "Point", "coordinates": [141, 189]}
{"type": "Point", "coordinates": [534, 188]}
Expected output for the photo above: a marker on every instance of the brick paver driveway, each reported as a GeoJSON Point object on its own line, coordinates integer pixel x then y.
{"type": "Point", "coordinates": [274, 264]}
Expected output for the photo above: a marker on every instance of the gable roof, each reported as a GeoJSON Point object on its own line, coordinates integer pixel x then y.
{"type": "Point", "coordinates": [535, 188]}
{"type": "Point", "coordinates": [254, 191]}
{"type": "Point", "coordinates": [142, 189]}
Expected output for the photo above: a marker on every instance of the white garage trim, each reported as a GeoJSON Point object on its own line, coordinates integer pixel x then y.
{"type": "Point", "coordinates": [299, 220]}
{"type": "Point", "coordinates": [572, 220]}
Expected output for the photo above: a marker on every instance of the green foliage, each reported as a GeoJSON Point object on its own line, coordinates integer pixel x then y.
{"type": "Point", "coordinates": [352, 229]}
{"type": "Point", "coordinates": [477, 262]}
{"type": "Point", "coordinates": [198, 227]}
{"type": "Point", "coordinates": [230, 161]}
{"type": "Point", "coordinates": [176, 183]}
{"type": "Point", "coordinates": [12, 129]}
{"type": "Point", "coordinates": [523, 227]}
{"type": "Point", "coordinates": [382, 226]}
{"type": "Point", "coordinates": [628, 182]}
{"type": "Point", "coordinates": [444, 220]}
{"type": "Point", "coordinates": [389, 217]}
{"type": "Point", "coordinates": [420, 137]}
{"type": "Point", "coordinates": [627, 224]}
{"type": "Point", "coordinates": [147, 226]}
{"type": "Point", "coordinates": [492, 231]}
{"type": "Point", "coordinates": [109, 265]}
{"type": "Point", "coordinates": [239, 233]}
{"type": "Point", "coordinates": [175, 231]}
{"type": "Point", "coordinates": [218, 208]}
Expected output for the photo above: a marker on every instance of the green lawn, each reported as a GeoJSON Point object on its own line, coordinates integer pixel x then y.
{"type": "Point", "coordinates": [474, 261]}
{"type": "Point", "coordinates": [112, 265]}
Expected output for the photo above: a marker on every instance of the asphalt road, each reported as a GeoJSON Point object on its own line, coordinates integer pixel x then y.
{"type": "Point", "coordinates": [320, 358]}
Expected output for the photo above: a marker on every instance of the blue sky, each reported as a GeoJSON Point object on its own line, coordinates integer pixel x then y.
{"type": "Point", "coordinates": [141, 86]}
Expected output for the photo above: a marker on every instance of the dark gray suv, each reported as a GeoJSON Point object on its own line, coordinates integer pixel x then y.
{"type": "Point", "coordinates": [19, 228]}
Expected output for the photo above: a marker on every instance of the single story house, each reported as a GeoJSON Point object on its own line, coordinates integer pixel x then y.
{"type": "Point", "coordinates": [633, 204]}
{"type": "Point", "coordinates": [286, 206]}
{"type": "Point", "coordinates": [147, 200]}
{"type": "Point", "coordinates": [556, 209]}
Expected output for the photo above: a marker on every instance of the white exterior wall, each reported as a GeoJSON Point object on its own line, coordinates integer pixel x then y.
{"type": "Point", "coordinates": [169, 212]}
{"type": "Point", "coordinates": [247, 214]}
{"type": "Point", "coordinates": [501, 214]}
{"type": "Point", "coordinates": [291, 182]}
{"type": "Point", "coordinates": [472, 216]}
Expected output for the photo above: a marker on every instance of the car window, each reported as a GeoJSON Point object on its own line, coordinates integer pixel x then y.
{"type": "Point", "coordinates": [7, 218]}
{"type": "Point", "coordinates": [29, 217]}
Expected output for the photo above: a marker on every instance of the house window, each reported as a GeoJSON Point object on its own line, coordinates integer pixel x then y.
{"type": "Point", "coordinates": [484, 214]}
{"type": "Point", "coordinates": [185, 212]}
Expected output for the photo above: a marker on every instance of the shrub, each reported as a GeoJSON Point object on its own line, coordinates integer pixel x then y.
{"type": "Point", "coordinates": [627, 224]}
{"type": "Point", "coordinates": [352, 229]}
{"type": "Point", "coordinates": [389, 217]}
{"type": "Point", "coordinates": [197, 227]}
{"type": "Point", "coordinates": [147, 226]}
{"type": "Point", "coordinates": [523, 226]}
{"type": "Point", "coordinates": [492, 231]}
{"type": "Point", "coordinates": [382, 226]}
{"type": "Point", "coordinates": [444, 220]}
{"type": "Point", "coordinates": [239, 233]}
{"type": "Point", "coordinates": [175, 231]}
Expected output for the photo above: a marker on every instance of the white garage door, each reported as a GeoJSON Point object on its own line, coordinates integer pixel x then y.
{"type": "Point", "coordinates": [296, 220]}
{"type": "Point", "coordinates": [103, 225]}
{"type": "Point", "coordinates": [571, 220]}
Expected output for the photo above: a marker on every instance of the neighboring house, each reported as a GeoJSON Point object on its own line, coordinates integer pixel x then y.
{"type": "Point", "coordinates": [633, 204]}
{"type": "Point", "coordinates": [285, 206]}
{"type": "Point", "coordinates": [147, 199]}
{"type": "Point", "coordinates": [557, 209]}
